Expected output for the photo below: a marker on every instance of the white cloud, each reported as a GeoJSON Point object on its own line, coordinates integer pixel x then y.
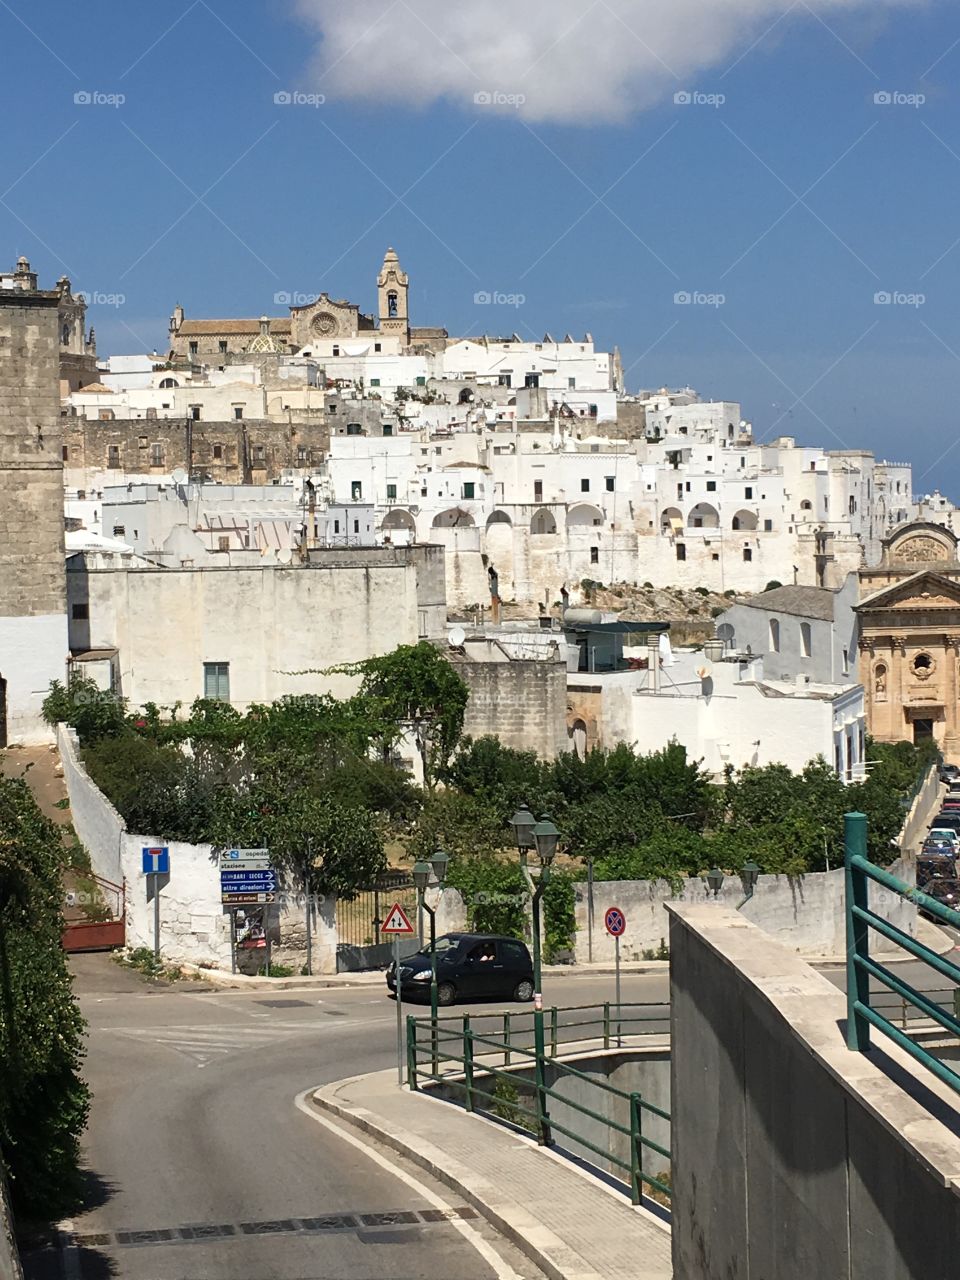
{"type": "Point", "coordinates": [568, 61]}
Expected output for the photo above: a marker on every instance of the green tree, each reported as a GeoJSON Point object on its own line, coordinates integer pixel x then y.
{"type": "Point", "coordinates": [92, 711]}
{"type": "Point", "coordinates": [43, 1100]}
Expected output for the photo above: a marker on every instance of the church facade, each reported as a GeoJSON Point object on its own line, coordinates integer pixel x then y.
{"type": "Point", "coordinates": [322, 326]}
{"type": "Point", "coordinates": [909, 614]}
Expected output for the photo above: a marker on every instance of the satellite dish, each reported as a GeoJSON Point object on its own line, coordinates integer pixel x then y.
{"type": "Point", "coordinates": [704, 671]}
{"type": "Point", "coordinates": [179, 476]}
{"type": "Point", "coordinates": [284, 556]}
{"type": "Point", "coordinates": [456, 637]}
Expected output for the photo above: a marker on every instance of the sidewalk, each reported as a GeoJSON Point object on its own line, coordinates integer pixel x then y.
{"type": "Point", "coordinates": [565, 1220]}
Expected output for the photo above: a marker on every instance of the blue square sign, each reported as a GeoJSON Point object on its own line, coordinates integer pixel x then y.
{"type": "Point", "coordinates": [156, 861]}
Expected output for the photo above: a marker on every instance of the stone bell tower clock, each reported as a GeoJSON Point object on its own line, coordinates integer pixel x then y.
{"type": "Point", "coordinates": [392, 290]}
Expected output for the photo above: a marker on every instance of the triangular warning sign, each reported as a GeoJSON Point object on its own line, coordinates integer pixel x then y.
{"type": "Point", "coordinates": [397, 921]}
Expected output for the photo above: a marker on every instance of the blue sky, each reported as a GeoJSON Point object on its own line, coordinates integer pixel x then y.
{"type": "Point", "coordinates": [781, 196]}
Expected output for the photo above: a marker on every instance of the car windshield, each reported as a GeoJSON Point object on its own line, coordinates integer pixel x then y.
{"type": "Point", "coordinates": [446, 942]}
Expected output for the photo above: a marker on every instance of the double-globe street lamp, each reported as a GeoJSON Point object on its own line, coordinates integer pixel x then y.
{"type": "Point", "coordinates": [421, 879]}
{"type": "Point", "coordinates": [543, 837]}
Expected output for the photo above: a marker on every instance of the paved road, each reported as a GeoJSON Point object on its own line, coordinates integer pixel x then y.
{"type": "Point", "coordinates": [194, 1134]}
{"type": "Point", "coordinates": [194, 1126]}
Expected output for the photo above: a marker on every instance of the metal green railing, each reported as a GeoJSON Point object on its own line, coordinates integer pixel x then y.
{"type": "Point", "coordinates": [483, 1069]}
{"type": "Point", "coordinates": [862, 1010]}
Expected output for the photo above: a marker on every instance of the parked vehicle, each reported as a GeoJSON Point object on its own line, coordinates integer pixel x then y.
{"type": "Point", "coordinates": [469, 965]}
{"type": "Point", "coordinates": [949, 772]}
{"type": "Point", "coordinates": [933, 866]}
{"type": "Point", "coordinates": [944, 833]}
{"type": "Point", "coordinates": [945, 891]}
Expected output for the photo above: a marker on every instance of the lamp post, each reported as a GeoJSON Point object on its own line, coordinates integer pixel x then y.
{"type": "Point", "coordinates": [421, 879]}
{"type": "Point", "coordinates": [748, 877]}
{"type": "Point", "coordinates": [715, 880]}
{"type": "Point", "coordinates": [542, 836]}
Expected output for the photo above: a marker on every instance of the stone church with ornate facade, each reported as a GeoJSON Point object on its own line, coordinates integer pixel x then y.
{"type": "Point", "coordinates": [909, 615]}
{"type": "Point", "coordinates": [317, 326]}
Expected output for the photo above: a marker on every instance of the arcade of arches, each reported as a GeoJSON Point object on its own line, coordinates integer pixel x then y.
{"type": "Point", "coordinates": [909, 615]}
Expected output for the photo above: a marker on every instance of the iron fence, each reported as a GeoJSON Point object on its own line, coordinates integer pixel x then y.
{"type": "Point", "coordinates": [359, 918]}
{"type": "Point", "coordinates": [865, 1011]}
{"type": "Point", "coordinates": [483, 1069]}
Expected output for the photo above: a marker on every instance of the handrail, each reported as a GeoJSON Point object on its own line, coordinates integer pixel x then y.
{"type": "Point", "coordinates": [862, 1009]}
{"type": "Point", "coordinates": [471, 1054]}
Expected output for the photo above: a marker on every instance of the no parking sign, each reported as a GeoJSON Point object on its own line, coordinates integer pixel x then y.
{"type": "Point", "coordinates": [615, 921]}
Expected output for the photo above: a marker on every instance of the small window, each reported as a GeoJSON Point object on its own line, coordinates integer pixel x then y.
{"type": "Point", "coordinates": [113, 456]}
{"type": "Point", "coordinates": [216, 681]}
{"type": "Point", "coordinates": [258, 453]}
{"type": "Point", "coordinates": [301, 453]}
{"type": "Point", "coordinates": [193, 348]}
{"type": "Point", "coordinates": [505, 380]}
{"type": "Point", "coordinates": [65, 453]}
{"type": "Point", "coordinates": [195, 412]}
{"type": "Point", "coordinates": [356, 526]}
{"type": "Point", "coordinates": [356, 491]}
{"type": "Point", "coordinates": [336, 349]}
{"type": "Point", "coordinates": [421, 381]}
{"type": "Point", "coordinates": [747, 555]}
{"type": "Point", "coordinates": [768, 526]}
{"type": "Point", "coordinates": [748, 491]}
{"type": "Point", "coordinates": [378, 346]}
{"type": "Point", "coordinates": [222, 344]}
{"type": "Point", "coordinates": [80, 612]}
{"type": "Point", "coordinates": [142, 442]}
{"type": "Point", "coordinates": [391, 492]}
{"type": "Point", "coordinates": [594, 555]}
{"type": "Point", "coordinates": [388, 429]}
{"type": "Point", "coordinates": [537, 490]}
{"type": "Point", "coordinates": [223, 543]}
{"type": "Point", "coordinates": [846, 662]}
{"type": "Point", "coordinates": [610, 481]}
{"type": "Point", "coordinates": [336, 526]}
{"type": "Point", "coordinates": [81, 494]}
{"type": "Point", "coordinates": [469, 488]}
{"type": "Point", "coordinates": [571, 384]}
{"type": "Point", "coordinates": [711, 486]}
{"type": "Point", "coordinates": [156, 455]}
{"type": "Point", "coordinates": [353, 429]}
{"type": "Point", "coordinates": [806, 639]}
{"type": "Point", "coordinates": [531, 380]}
{"type": "Point", "coordinates": [119, 531]}
{"type": "Point", "coordinates": [374, 382]}
{"type": "Point", "coordinates": [218, 452]}
{"type": "Point", "coordinates": [774, 636]}
{"type": "Point", "coordinates": [681, 551]}
{"type": "Point", "coordinates": [238, 411]}
{"type": "Point", "coordinates": [584, 486]}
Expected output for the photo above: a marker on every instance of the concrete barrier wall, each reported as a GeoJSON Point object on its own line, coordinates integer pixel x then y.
{"type": "Point", "coordinates": [792, 1156]}
{"type": "Point", "coordinates": [98, 825]}
{"type": "Point", "coordinates": [922, 811]}
{"type": "Point", "coordinates": [806, 913]}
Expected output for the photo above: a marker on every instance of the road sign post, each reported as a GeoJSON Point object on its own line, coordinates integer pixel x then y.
{"type": "Point", "coordinates": [399, 925]}
{"type": "Point", "coordinates": [155, 863]}
{"type": "Point", "coordinates": [616, 922]}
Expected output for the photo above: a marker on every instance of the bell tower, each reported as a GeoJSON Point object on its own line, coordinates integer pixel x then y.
{"type": "Point", "coordinates": [392, 289]}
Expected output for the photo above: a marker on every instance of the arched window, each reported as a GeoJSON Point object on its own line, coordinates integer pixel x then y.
{"type": "Point", "coordinates": [774, 636]}
{"type": "Point", "coordinates": [880, 682]}
{"type": "Point", "coordinates": [393, 308]}
{"type": "Point", "coordinates": [806, 639]}
{"type": "Point", "coordinates": [806, 505]}
{"type": "Point", "coordinates": [167, 383]}
{"type": "Point", "coordinates": [65, 335]}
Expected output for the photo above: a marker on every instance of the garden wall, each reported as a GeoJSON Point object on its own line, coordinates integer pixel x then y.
{"type": "Point", "coordinates": [805, 913]}
{"type": "Point", "coordinates": [194, 928]}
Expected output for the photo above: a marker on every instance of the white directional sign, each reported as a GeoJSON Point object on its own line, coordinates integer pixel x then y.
{"type": "Point", "coordinates": [244, 859]}
{"type": "Point", "coordinates": [397, 921]}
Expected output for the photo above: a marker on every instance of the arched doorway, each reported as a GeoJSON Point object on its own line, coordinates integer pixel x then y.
{"type": "Point", "coordinates": [579, 735]}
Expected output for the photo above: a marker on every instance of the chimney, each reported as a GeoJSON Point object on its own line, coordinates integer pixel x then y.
{"type": "Point", "coordinates": [653, 662]}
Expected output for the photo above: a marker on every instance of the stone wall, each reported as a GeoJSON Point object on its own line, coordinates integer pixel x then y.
{"type": "Point", "coordinates": [522, 702]}
{"type": "Point", "coordinates": [804, 913]}
{"type": "Point", "coordinates": [232, 452]}
{"type": "Point", "coordinates": [99, 827]}
{"type": "Point", "coordinates": [792, 1156]}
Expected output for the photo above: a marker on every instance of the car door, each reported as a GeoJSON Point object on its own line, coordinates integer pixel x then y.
{"type": "Point", "coordinates": [478, 973]}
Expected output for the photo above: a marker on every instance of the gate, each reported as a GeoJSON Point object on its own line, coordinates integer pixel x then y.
{"type": "Point", "coordinates": [359, 943]}
{"type": "Point", "coordinates": [95, 916]}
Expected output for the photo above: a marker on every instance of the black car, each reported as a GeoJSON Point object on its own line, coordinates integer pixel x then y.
{"type": "Point", "coordinates": [946, 892]}
{"type": "Point", "coordinates": [469, 965]}
{"type": "Point", "coordinates": [949, 773]}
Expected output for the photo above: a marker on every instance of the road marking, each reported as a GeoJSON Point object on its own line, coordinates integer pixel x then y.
{"type": "Point", "coordinates": [493, 1259]}
{"type": "Point", "coordinates": [201, 1043]}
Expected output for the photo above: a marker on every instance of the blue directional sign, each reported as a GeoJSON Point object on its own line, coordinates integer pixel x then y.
{"type": "Point", "coordinates": [156, 861]}
{"type": "Point", "coordinates": [252, 879]}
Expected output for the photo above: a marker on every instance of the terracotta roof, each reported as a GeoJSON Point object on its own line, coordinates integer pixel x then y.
{"type": "Point", "coordinates": [278, 324]}
{"type": "Point", "coordinates": [99, 388]}
{"type": "Point", "coordinates": [805, 602]}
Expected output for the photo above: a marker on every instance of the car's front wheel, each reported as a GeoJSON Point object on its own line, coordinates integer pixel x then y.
{"type": "Point", "coordinates": [446, 993]}
{"type": "Point", "coordinates": [523, 991]}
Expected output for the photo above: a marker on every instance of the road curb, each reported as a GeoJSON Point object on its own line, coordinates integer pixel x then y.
{"type": "Point", "coordinates": [536, 1242]}
{"type": "Point", "coordinates": [252, 982]}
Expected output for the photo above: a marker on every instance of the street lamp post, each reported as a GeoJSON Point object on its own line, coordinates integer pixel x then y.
{"type": "Point", "coordinates": [542, 836]}
{"type": "Point", "coordinates": [421, 879]}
